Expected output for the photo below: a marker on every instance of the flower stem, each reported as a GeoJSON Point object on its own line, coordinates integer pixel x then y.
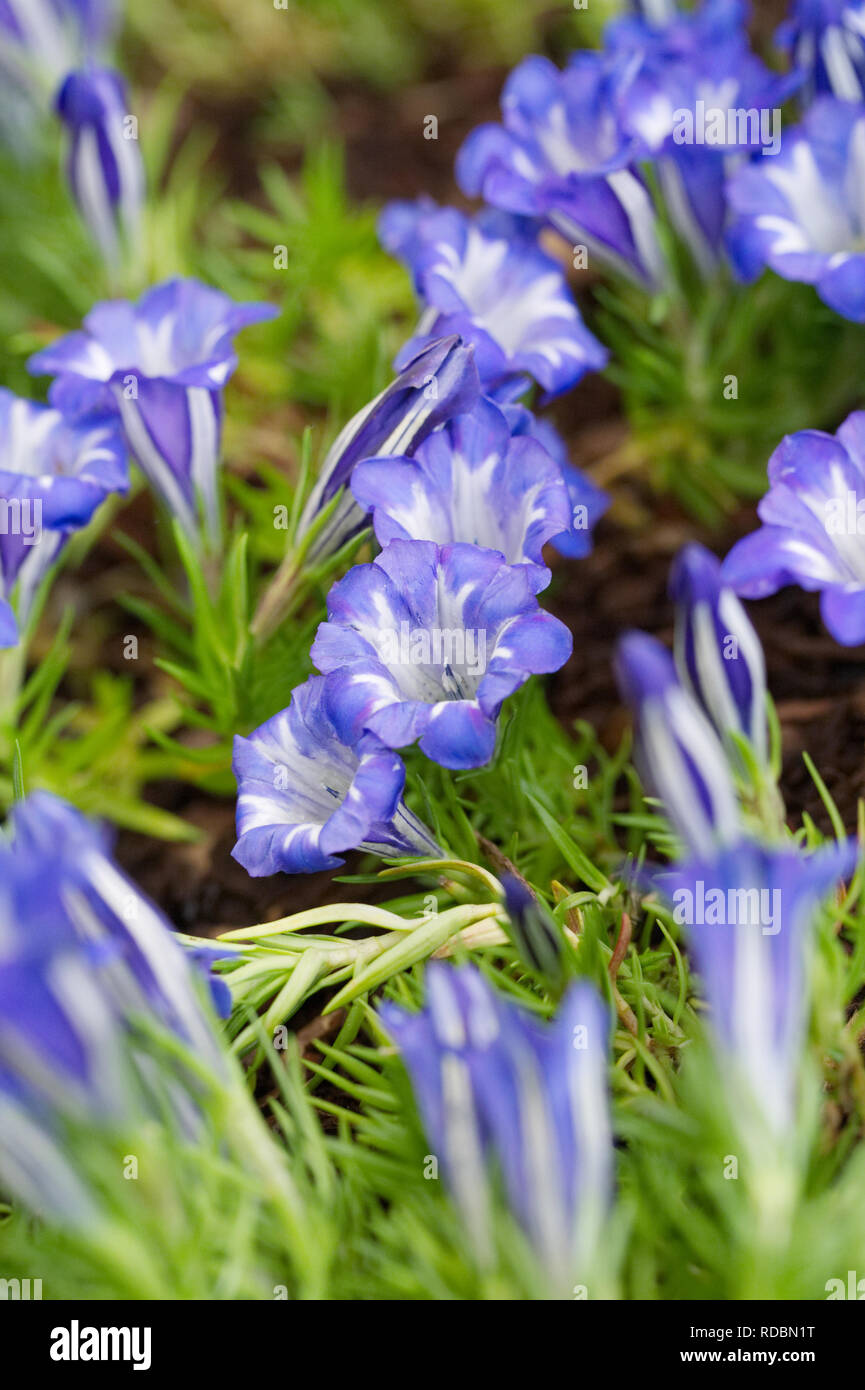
{"type": "Point", "coordinates": [278, 599]}
{"type": "Point", "coordinates": [12, 664]}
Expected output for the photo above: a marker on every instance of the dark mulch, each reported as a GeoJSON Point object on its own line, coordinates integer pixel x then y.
{"type": "Point", "coordinates": [818, 687]}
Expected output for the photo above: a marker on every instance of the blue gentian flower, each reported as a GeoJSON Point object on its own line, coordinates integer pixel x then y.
{"type": "Point", "coordinates": [40, 42]}
{"type": "Point", "coordinates": [826, 40]}
{"type": "Point", "coordinates": [54, 473]}
{"type": "Point", "coordinates": [493, 1084]}
{"type": "Point", "coordinates": [83, 955]}
{"type": "Point", "coordinates": [801, 212]}
{"type": "Point", "coordinates": [105, 909]}
{"type": "Point", "coordinates": [427, 642]}
{"type": "Point", "coordinates": [561, 155]}
{"type": "Point", "coordinates": [748, 913]}
{"type": "Point", "coordinates": [470, 481]}
{"type": "Point", "coordinates": [161, 364]}
{"type": "Point", "coordinates": [678, 753]}
{"type": "Point", "coordinates": [441, 381]}
{"type": "Point", "coordinates": [105, 169]}
{"type": "Point", "coordinates": [587, 501]}
{"type": "Point", "coordinates": [487, 279]}
{"type": "Point", "coordinates": [813, 531]}
{"type": "Point", "coordinates": [718, 654]}
{"type": "Point", "coordinates": [304, 796]}
{"type": "Point", "coordinates": [694, 95]}
{"type": "Point", "coordinates": [59, 1031]}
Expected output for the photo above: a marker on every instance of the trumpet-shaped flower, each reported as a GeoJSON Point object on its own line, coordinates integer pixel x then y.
{"type": "Point", "coordinates": [305, 796]}
{"type": "Point", "coordinates": [441, 381]}
{"type": "Point", "coordinates": [694, 95]}
{"type": "Point", "coordinates": [105, 170]}
{"type": "Point", "coordinates": [826, 40]}
{"type": "Point", "coordinates": [802, 212]}
{"type": "Point", "coordinates": [53, 475]}
{"type": "Point", "coordinates": [678, 752]}
{"type": "Point", "coordinates": [470, 481]}
{"type": "Point", "coordinates": [813, 531]}
{"type": "Point", "coordinates": [106, 910]}
{"type": "Point", "coordinates": [718, 653]}
{"type": "Point", "coordinates": [749, 915]}
{"type": "Point", "coordinates": [487, 279]}
{"type": "Point", "coordinates": [427, 642]}
{"type": "Point", "coordinates": [40, 42]}
{"type": "Point", "coordinates": [561, 155]}
{"type": "Point", "coordinates": [83, 955]}
{"type": "Point", "coordinates": [161, 364]}
{"type": "Point", "coordinates": [491, 1083]}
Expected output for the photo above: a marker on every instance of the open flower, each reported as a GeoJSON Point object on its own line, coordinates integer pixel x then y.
{"type": "Point", "coordinates": [54, 473]}
{"type": "Point", "coordinates": [427, 642]}
{"type": "Point", "coordinates": [749, 915]}
{"type": "Point", "coordinates": [106, 173]}
{"type": "Point", "coordinates": [718, 653]}
{"type": "Point", "coordinates": [678, 753]}
{"type": "Point", "coordinates": [490, 1082]}
{"type": "Point", "coordinates": [813, 531]}
{"type": "Point", "coordinates": [470, 481]}
{"type": "Point", "coordinates": [440, 381]}
{"type": "Point", "coordinates": [487, 279]}
{"type": "Point", "coordinates": [304, 796]}
{"type": "Point", "coordinates": [694, 95]}
{"type": "Point", "coordinates": [161, 364]}
{"type": "Point", "coordinates": [561, 155]}
{"type": "Point", "coordinates": [83, 957]}
{"type": "Point", "coordinates": [801, 212]}
{"type": "Point", "coordinates": [826, 40]}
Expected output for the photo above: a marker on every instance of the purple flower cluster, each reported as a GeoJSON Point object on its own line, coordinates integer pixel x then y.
{"type": "Point", "coordinates": [682, 92]}
{"type": "Point", "coordinates": [747, 901]}
{"type": "Point", "coordinates": [423, 645]}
